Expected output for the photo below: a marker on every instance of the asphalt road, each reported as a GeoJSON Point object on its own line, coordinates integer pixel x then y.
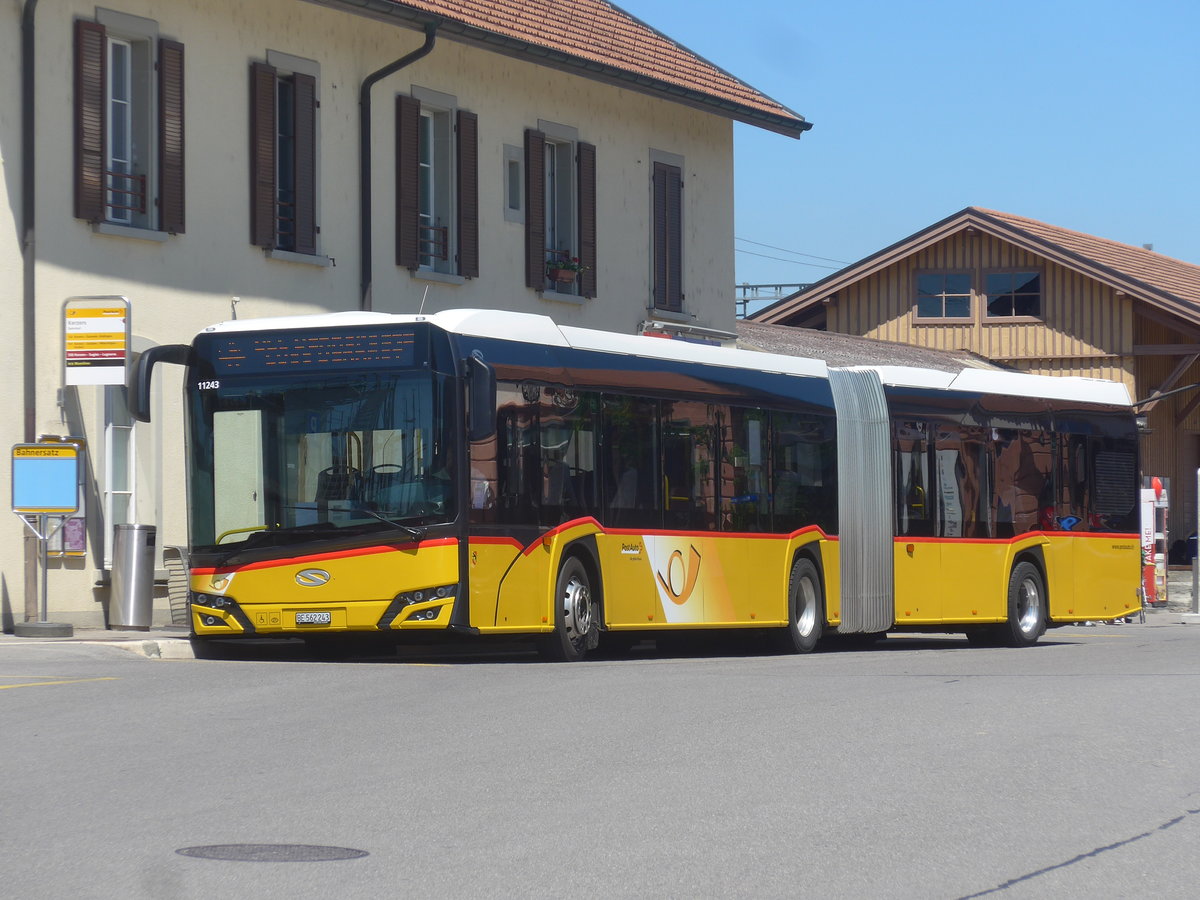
{"type": "Point", "coordinates": [921, 768]}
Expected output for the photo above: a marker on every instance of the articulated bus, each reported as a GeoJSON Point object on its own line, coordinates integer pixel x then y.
{"type": "Point", "coordinates": [486, 472]}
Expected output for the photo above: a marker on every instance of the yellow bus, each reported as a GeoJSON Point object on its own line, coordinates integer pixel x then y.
{"type": "Point", "coordinates": [493, 473]}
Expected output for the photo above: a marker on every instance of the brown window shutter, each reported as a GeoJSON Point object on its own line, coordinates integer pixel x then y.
{"type": "Point", "coordinates": [305, 93]}
{"type": "Point", "coordinates": [170, 136]}
{"type": "Point", "coordinates": [535, 209]}
{"type": "Point", "coordinates": [408, 125]}
{"type": "Point", "coordinates": [667, 236]}
{"type": "Point", "coordinates": [91, 74]}
{"type": "Point", "coordinates": [262, 155]}
{"type": "Point", "coordinates": [468, 194]}
{"type": "Point", "coordinates": [587, 218]}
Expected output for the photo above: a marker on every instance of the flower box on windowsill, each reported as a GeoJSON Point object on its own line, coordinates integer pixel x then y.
{"type": "Point", "coordinates": [562, 276]}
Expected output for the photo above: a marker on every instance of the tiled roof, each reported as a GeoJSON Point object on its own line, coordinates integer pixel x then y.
{"type": "Point", "coordinates": [607, 40]}
{"type": "Point", "coordinates": [1162, 273]}
{"type": "Point", "coordinates": [1170, 284]}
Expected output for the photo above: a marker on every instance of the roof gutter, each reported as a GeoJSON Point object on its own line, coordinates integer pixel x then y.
{"type": "Point", "coordinates": [364, 159]}
{"type": "Point", "coordinates": [386, 10]}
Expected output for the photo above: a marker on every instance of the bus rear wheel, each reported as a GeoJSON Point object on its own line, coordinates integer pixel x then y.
{"type": "Point", "coordinates": [576, 615]}
{"type": "Point", "coordinates": [806, 609]}
{"type": "Point", "coordinates": [1026, 606]}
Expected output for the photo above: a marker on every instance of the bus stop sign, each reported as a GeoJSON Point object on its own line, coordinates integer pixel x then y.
{"type": "Point", "coordinates": [45, 479]}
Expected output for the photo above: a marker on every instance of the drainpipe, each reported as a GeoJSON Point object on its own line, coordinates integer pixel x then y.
{"type": "Point", "coordinates": [28, 306]}
{"type": "Point", "coordinates": [364, 160]}
{"type": "Point", "coordinates": [27, 215]}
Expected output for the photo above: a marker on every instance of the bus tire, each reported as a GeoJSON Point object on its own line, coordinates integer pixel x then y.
{"type": "Point", "coordinates": [576, 615]}
{"type": "Point", "coordinates": [806, 609]}
{"type": "Point", "coordinates": [1026, 606]}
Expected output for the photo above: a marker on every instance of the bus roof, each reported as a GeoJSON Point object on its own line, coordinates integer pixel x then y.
{"type": "Point", "coordinates": [532, 328]}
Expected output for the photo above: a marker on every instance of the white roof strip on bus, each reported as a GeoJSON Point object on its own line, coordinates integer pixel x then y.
{"type": "Point", "coordinates": [1015, 384]}
{"type": "Point", "coordinates": [1051, 387]}
{"type": "Point", "coordinates": [532, 328]}
{"type": "Point", "coordinates": [686, 351]}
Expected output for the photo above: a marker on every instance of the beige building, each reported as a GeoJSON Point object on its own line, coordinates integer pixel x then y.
{"type": "Point", "coordinates": [203, 161]}
{"type": "Point", "coordinates": [1038, 298]}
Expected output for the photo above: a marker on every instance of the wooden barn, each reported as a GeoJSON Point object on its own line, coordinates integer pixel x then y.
{"type": "Point", "coordinates": [1041, 299]}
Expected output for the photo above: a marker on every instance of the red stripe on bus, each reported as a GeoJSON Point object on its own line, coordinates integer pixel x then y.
{"type": "Point", "coordinates": [322, 557]}
{"type": "Point", "coordinates": [1097, 535]}
{"type": "Point", "coordinates": [641, 532]}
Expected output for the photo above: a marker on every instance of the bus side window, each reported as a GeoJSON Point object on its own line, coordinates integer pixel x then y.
{"type": "Point", "coordinates": [689, 486]}
{"type": "Point", "coordinates": [803, 472]}
{"type": "Point", "coordinates": [1073, 501]}
{"type": "Point", "coordinates": [915, 504]}
{"type": "Point", "coordinates": [630, 462]}
{"type": "Point", "coordinates": [743, 454]}
{"type": "Point", "coordinates": [1022, 495]}
{"type": "Point", "coordinates": [964, 488]}
{"type": "Point", "coordinates": [567, 430]}
{"type": "Point", "coordinates": [517, 456]}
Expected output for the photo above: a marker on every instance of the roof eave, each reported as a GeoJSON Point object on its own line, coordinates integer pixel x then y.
{"type": "Point", "coordinates": [790, 126]}
{"type": "Point", "coordinates": [972, 217]}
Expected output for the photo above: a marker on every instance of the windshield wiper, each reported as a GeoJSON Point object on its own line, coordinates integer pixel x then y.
{"type": "Point", "coordinates": [417, 533]}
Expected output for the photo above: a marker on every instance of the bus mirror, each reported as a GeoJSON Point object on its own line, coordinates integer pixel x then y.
{"type": "Point", "coordinates": [483, 399]}
{"type": "Point", "coordinates": [138, 387]}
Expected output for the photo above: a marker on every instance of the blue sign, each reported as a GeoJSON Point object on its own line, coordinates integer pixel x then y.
{"type": "Point", "coordinates": [45, 479]}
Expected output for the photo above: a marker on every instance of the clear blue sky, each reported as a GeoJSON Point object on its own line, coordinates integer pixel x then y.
{"type": "Point", "coordinates": [1081, 114]}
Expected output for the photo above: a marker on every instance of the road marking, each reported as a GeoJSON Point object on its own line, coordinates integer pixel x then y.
{"type": "Point", "coordinates": [5, 687]}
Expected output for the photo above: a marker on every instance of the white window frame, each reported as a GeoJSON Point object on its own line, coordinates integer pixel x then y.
{"type": "Point", "coordinates": [514, 181]}
{"type": "Point", "coordinates": [437, 161]}
{"type": "Point", "coordinates": [561, 195]}
{"type": "Point", "coordinates": [140, 38]}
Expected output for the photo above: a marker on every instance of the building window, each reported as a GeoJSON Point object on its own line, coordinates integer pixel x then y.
{"type": "Point", "coordinates": [943, 295]}
{"type": "Point", "coordinates": [128, 124]}
{"type": "Point", "coordinates": [667, 233]}
{"type": "Point", "coordinates": [283, 154]}
{"type": "Point", "coordinates": [437, 184]}
{"type": "Point", "coordinates": [514, 175]}
{"type": "Point", "coordinates": [560, 210]}
{"type": "Point", "coordinates": [1013, 294]}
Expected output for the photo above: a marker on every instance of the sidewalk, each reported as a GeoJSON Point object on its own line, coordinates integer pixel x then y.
{"type": "Point", "coordinates": [168, 642]}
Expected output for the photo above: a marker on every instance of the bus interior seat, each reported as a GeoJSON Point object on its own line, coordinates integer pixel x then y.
{"type": "Point", "coordinates": [338, 483]}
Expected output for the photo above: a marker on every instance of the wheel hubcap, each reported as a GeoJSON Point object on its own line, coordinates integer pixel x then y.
{"type": "Point", "coordinates": [1029, 606]}
{"type": "Point", "coordinates": [577, 610]}
{"type": "Point", "coordinates": [806, 607]}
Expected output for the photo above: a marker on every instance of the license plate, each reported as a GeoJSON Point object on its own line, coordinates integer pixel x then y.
{"type": "Point", "coordinates": [313, 618]}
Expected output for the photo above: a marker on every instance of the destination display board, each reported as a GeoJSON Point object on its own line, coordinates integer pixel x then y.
{"type": "Point", "coordinates": [311, 350]}
{"type": "Point", "coordinates": [95, 340]}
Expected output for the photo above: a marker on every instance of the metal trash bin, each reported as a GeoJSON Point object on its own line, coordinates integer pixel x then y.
{"type": "Point", "coordinates": [131, 599]}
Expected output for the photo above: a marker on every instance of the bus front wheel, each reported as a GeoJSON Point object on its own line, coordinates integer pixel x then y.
{"type": "Point", "coordinates": [576, 615]}
{"type": "Point", "coordinates": [1026, 606]}
{"type": "Point", "coordinates": [806, 609]}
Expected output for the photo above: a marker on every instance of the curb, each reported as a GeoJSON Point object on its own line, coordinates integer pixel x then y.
{"type": "Point", "coordinates": [167, 649]}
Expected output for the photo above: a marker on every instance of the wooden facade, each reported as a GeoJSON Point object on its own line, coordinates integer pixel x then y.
{"type": "Point", "coordinates": [1107, 310]}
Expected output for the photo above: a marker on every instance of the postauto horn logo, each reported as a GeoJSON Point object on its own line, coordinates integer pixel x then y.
{"type": "Point", "coordinates": [312, 577]}
{"type": "Point", "coordinates": [679, 580]}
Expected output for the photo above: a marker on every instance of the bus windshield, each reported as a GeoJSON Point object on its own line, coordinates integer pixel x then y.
{"type": "Point", "coordinates": [285, 459]}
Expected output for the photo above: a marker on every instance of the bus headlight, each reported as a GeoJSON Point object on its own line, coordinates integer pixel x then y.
{"type": "Point", "coordinates": [212, 601]}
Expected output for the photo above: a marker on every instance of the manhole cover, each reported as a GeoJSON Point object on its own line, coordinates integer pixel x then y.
{"type": "Point", "coordinates": [272, 852]}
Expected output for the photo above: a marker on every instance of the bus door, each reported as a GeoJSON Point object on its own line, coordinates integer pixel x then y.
{"type": "Point", "coordinates": [918, 554]}
{"type": "Point", "coordinates": [964, 459]}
